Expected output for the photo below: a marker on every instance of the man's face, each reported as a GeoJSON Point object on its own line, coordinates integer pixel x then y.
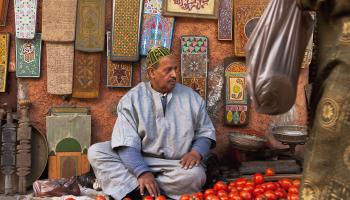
{"type": "Point", "coordinates": [163, 79]}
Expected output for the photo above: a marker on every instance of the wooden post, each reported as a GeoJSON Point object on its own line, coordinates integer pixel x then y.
{"type": "Point", "coordinates": [8, 151]}
{"type": "Point", "coordinates": [23, 156]}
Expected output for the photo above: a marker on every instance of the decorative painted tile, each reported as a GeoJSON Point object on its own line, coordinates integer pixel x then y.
{"type": "Point", "coordinates": [25, 18]}
{"type": "Point", "coordinates": [119, 74]}
{"type": "Point", "coordinates": [86, 75]}
{"type": "Point", "coordinates": [58, 20]}
{"type": "Point", "coordinates": [90, 27]}
{"type": "Point", "coordinates": [28, 57]}
{"type": "Point", "coordinates": [156, 31]}
{"type": "Point", "coordinates": [152, 6]}
{"type": "Point", "coordinates": [237, 107]}
{"type": "Point", "coordinates": [60, 61]}
{"type": "Point", "coordinates": [194, 45]}
{"type": "Point", "coordinates": [225, 20]}
{"type": "Point", "coordinates": [4, 5]}
{"type": "Point", "coordinates": [246, 17]}
{"type": "Point", "coordinates": [4, 54]}
{"type": "Point", "coordinates": [126, 30]}
{"type": "Point", "coordinates": [197, 84]}
{"type": "Point", "coordinates": [194, 63]}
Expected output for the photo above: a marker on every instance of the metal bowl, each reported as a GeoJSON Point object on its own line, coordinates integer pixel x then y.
{"type": "Point", "coordinates": [290, 134]}
{"type": "Point", "coordinates": [246, 142]}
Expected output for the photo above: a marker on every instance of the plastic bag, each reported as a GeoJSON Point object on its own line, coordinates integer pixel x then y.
{"type": "Point", "coordinates": [56, 188]}
{"type": "Point", "coordinates": [275, 52]}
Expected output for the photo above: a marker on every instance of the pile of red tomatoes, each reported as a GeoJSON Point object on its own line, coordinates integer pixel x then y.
{"type": "Point", "coordinates": [254, 189]}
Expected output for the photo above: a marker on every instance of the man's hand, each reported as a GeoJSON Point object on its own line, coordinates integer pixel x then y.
{"type": "Point", "coordinates": [191, 159]}
{"type": "Point", "coordinates": [147, 180]}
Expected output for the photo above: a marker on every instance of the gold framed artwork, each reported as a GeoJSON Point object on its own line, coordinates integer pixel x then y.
{"type": "Point", "coordinates": [191, 8]}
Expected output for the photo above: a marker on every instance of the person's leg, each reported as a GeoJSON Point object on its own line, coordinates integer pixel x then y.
{"type": "Point", "coordinates": [114, 177]}
{"type": "Point", "coordinates": [174, 180]}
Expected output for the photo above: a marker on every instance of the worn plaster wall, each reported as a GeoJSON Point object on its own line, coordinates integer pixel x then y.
{"type": "Point", "coordinates": [102, 107]}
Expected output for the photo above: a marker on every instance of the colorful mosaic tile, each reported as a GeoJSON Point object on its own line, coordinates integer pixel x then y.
{"type": "Point", "coordinates": [25, 18]}
{"type": "Point", "coordinates": [194, 63]}
{"type": "Point", "coordinates": [156, 31]}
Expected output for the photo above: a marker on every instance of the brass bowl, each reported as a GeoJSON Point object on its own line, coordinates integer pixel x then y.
{"type": "Point", "coordinates": [290, 134]}
{"type": "Point", "coordinates": [246, 142]}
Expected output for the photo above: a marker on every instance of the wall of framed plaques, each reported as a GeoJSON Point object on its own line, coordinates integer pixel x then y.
{"type": "Point", "coordinates": [103, 106]}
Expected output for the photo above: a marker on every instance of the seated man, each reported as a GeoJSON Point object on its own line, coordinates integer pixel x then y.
{"type": "Point", "coordinates": [159, 139]}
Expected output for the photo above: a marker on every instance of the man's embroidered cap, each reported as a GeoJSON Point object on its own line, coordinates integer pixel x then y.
{"type": "Point", "coordinates": [155, 54]}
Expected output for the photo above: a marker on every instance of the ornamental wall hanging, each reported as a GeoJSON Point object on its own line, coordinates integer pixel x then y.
{"type": "Point", "coordinates": [28, 57]}
{"type": "Point", "coordinates": [225, 20]}
{"type": "Point", "coordinates": [58, 20]}
{"type": "Point", "coordinates": [194, 63]}
{"type": "Point", "coordinates": [246, 15]}
{"type": "Point", "coordinates": [197, 9]}
{"type": "Point", "coordinates": [126, 28]}
{"type": "Point", "coordinates": [90, 26]}
{"type": "Point", "coordinates": [119, 74]}
{"type": "Point", "coordinates": [4, 5]}
{"type": "Point", "coordinates": [86, 75]}
{"type": "Point", "coordinates": [4, 54]}
{"type": "Point", "coordinates": [236, 101]}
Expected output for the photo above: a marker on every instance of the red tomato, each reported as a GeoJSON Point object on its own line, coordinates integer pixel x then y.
{"type": "Point", "coordinates": [71, 198]}
{"type": "Point", "coordinates": [209, 192]}
{"type": "Point", "coordinates": [296, 182]}
{"type": "Point", "coordinates": [248, 188]}
{"type": "Point", "coordinates": [161, 197]}
{"type": "Point", "coordinates": [249, 183]}
{"type": "Point", "coordinates": [258, 190]}
{"type": "Point", "coordinates": [221, 193]}
{"type": "Point", "coordinates": [245, 195]}
{"type": "Point", "coordinates": [220, 185]}
{"type": "Point", "coordinates": [198, 195]}
{"type": "Point", "coordinates": [233, 194]}
{"type": "Point", "coordinates": [241, 182]}
{"type": "Point", "coordinates": [280, 193]}
{"type": "Point", "coordinates": [271, 186]}
{"type": "Point", "coordinates": [258, 179]}
{"type": "Point", "coordinates": [260, 197]}
{"type": "Point", "coordinates": [285, 183]}
{"type": "Point", "coordinates": [234, 190]}
{"type": "Point", "coordinates": [212, 197]}
{"type": "Point", "coordinates": [151, 198]}
{"type": "Point", "coordinates": [269, 172]}
{"type": "Point", "coordinates": [292, 197]}
{"type": "Point", "coordinates": [270, 195]}
{"type": "Point", "coordinates": [224, 198]}
{"type": "Point", "coordinates": [236, 197]}
{"type": "Point", "coordinates": [293, 189]}
{"type": "Point", "coordinates": [99, 197]}
{"type": "Point", "coordinates": [239, 188]}
{"type": "Point", "coordinates": [232, 183]}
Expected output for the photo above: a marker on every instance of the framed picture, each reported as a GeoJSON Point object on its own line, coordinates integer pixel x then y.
{"type": "Point", "coordinates": [191, 8]}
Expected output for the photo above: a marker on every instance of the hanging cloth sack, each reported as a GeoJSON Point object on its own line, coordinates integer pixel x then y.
{"type": "Point", "coordinates": [275, 52]}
